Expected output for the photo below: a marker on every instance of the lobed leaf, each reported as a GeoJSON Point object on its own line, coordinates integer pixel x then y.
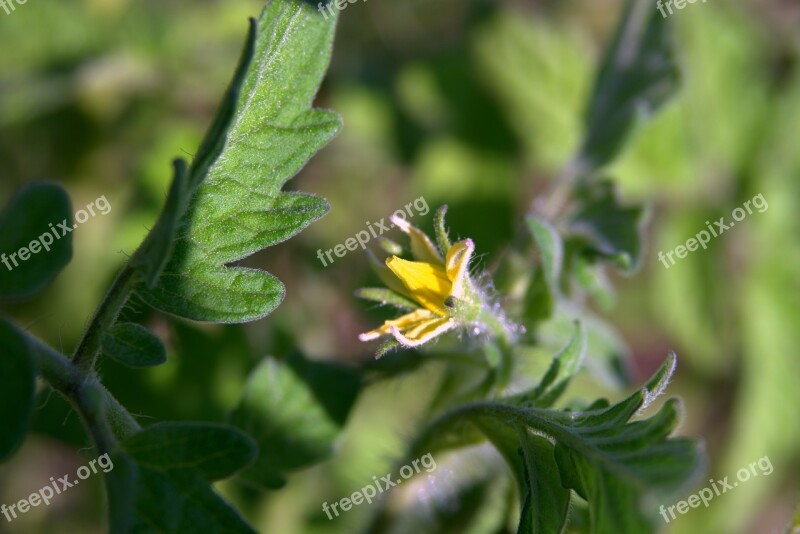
{"type": "Point", "coordinates": [620, 467]}
{"type": "Point", "coordinates": [638, 75]}
{"type": "Point", "coordinates": [544, 502]}
{"type": "Point", "coordinates": [603, 227]}
{"type": "Point", "coordinates": [265, 132]}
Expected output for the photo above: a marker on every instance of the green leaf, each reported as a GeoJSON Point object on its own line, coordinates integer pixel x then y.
{"type": "Point", "coordinates": [133, 345]}
{"type": "Point", "coordinates": [638, 75]}
{"type": "Point", "coordinates": [295, 410]}
{"type": "Point", "coordinates": [545, 502]}
{"type": "Point", "coordinates": [160, 479]}
{"type": "Point", "coordinates": [537, 67]}
{"type": "Point", "coordinates": [17, 389]}
{"type": "Point", "coordinates": [121, 487]}
{"type": "Point", "coordinates": [603, 227]}
{"type": "Point", "coordinates": [181, 501]}
{"type": "Point", "coordinates": [551, 250]}
{"type": "Point", "coordinates": [145, 498]}
{"type": "Point", "coordinates": [592, 278]}
{"type": "Point", "coordinates": [539, 303]}
{"type": "Point", "coordinates": [607, 356]}
{"type": "Point", "coordinates": [544, 287]}
{"type": "Point", "coordinates": [30, 223]}
{"type": "Point", "coordinates": [213, 451]}
{"type": "Point", "coordinates": [465, 379]}
{"type": "Point", "coordinates": [561, 371]}
{"type": "Point", "coordinates": [335, 386]}
{"type": "Point", "coordinates": [237, 207]}
{"type": "Point", "coordinates": [622, 468]}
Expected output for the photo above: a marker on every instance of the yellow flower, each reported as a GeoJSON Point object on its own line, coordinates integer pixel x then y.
{"type": "Point", "coordinates": [431, 283]}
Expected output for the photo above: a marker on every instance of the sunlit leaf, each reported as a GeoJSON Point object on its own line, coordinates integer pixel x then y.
{"type": "Point", "coordinates": [265, 132]}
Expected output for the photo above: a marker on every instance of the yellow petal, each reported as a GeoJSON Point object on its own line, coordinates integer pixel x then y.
{"type": "Point", "coordinates": [386, 275]}
{"type": "Point", "coordinates": [425, 283]}
{"type": "Point", "coordinates": [422, 247]}
{"type": "Point", "coordinates": [404, 322]}
{"type": "Point", "coordinates": [458, 264]}
{"type": "Point", "coordinates": [423, 331]}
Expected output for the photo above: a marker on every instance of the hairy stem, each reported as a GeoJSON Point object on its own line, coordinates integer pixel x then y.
{"type": "Point", "coordinates": [86, 353]}
{"type": "Point", "coordinates": [106, 419]}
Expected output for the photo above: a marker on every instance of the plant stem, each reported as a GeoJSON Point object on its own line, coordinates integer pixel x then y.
{"type": "Point", "coordinates": [104, 416]}
{"type": "Point", "coordinates": [90, 402]}
{"type": "Point", "coordinates": [108, 311]}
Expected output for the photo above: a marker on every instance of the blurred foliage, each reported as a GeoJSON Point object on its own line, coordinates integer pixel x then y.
{"type": "Point", "coordinates": [476, 104]}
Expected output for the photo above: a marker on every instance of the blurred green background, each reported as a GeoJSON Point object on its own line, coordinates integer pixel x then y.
{"type": "Point", "coordinates": [476, 104]}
